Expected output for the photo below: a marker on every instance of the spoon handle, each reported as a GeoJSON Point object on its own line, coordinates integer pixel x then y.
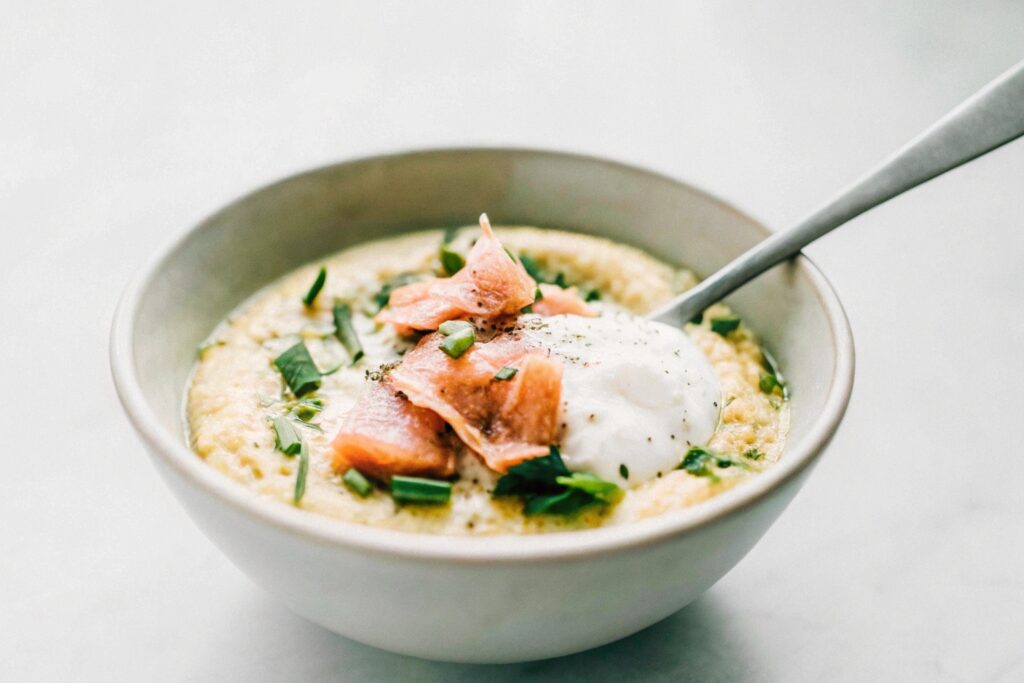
{"type": "Point", "coordinates": [988, 119]}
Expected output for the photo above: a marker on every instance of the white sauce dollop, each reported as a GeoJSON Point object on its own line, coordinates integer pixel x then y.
{"type": "Point", "coordinates": [635, 392]}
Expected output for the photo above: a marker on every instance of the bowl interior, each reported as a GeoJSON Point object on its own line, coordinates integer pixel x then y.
{"type": "Point", "coordinates": [268, 233]}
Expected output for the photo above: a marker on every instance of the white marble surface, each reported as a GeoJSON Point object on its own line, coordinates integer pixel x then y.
{"type": "Point", "coordinates": [122, 122]}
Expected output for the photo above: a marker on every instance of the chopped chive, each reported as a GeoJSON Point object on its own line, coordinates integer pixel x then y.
{"type": "Point", "coordinates": [451, 260]}
{"type": "Point", "coordinates": [506, 373]}
{"type": "Point", "coordinates": [299, 370]}
{"type": "Point", "coordinates": [697, 319]}
{"type": "Point", "coordinates": [307, 408]}
{"type": "Point", "coordinates": [532, 269]}
{"type": "Point", "coordinates": [776, 380]}
{"type": "Point", "coordinates": [560, 281]}
{"type": "Point", "coordinates": [355, 480]}
{"type": "Point", "coordinates": [300, 475]}
{"type": "Point", "coordinates": [623, 471]}
{"type": "Point", "coordinates": [419, 490]}
{"type": "Point", "coordinates": [318, 284]}
{"type": "Point", "coordinates": [451, 327]}
{"type": "Point", "coordinates": [346, 333]}
{"type": "Point", "coordinates": [458, 343]}
{"type": "Point", "coordinates": [382, 297]}
{"type": "Point", "coordinates": [287, 439]}
{"type": "Point", "coordinates": [592, 295]}
{"type": "Point", "coordinates": [538, 295]}
{"type": "Point", "coordinates": [724, 326]}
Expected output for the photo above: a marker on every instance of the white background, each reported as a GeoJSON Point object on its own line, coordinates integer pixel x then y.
{"type": "Point", "coordinates": [122, 123]}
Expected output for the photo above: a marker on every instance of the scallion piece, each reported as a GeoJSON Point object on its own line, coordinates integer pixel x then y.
{"type": "Point", "coordinates": [506, 373]}
{"type": "Point", "coordinates": [592, 295]}
{"type": "Point", "coordinates": [451, 327]}
{"type": "Point", "coordinates": [318, 284]}
{"type": "Point", "coordinates": [287, 437]}
{"type": "Point", "coordinates": [300, 475]}
{"type": "Point", "coordinates": [299, 370]}
{"type": "Point", "coordinates": [604, 491]}
{"type": "Point", "coordinates": [451, 260]}
{"type": "Point", "coordinates": [724, 326]}
{"type": "Point", "coordinates": [419, 490]}
{"type": "Point", "coordinates": [355, 480]}
{"type": "Point", "coordinates": [346, 333]}
{"type": "Point", "coordinates": [457, 344]}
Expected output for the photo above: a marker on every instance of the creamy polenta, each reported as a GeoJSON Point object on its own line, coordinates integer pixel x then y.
{"type": "Point", "coordinates": [236, 391]}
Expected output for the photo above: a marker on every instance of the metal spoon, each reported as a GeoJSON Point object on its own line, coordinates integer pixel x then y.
{"type": "Point", "coordinates": [988, 119]}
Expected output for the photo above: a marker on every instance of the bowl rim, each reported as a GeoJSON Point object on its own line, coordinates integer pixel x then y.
{"type": "Point", "coordinates": [173, 452]}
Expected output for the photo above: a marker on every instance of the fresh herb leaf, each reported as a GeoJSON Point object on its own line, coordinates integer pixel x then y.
{"type": "Point", "coordinates": [299, 370]}
{"type": "Point", "coordinates": [724, 326]}
{"type": "Point", "coordinates": [382, 297]}
{"type": "Point", "coordinates": [773, 379]}
{"type": "Point", "coordinates": [419, 490]}
{"type": "Point", "coordinates": [506, 373]}
{"type": "Point", "coordinates": [355, 480]}
{"type": "Point", "coordinates": [346, 333]}
{"type": "Point", "coordinates": [697, 319]}
{"type": "Point", "coordinates": [318, 284]}
{"type": "Point", "coordinates": [548, 487]}
{"type": "Point", "coordinates": [457, 343]}
{"type": "Point", "coordinates": [532, 269]}
{"type": "Point", "coordinates": [699, 461]}
{"type": "Point", "coordinates": [306, 409]}
{"type": "Point", "coordinates": [603, 490]}
{"type": "Point", "coordinates": [753, 454]}
{"type": "Point", "coordinates": [560, 281]}
{"type": "Point", "coordinates": [592, 295]}
{"type": "Point", "coordinates": [451, 260]}
{"type": "Point", "coordinates": [563, 503]}
{"type": "Point", "coordinates": [623, 471]}
{"type": "Point", "coordinates": [287, 439]}
{"type": "Point", "coordinates": [300, 475]}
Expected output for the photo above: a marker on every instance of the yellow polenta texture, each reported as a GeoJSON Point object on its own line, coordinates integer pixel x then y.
{"type": "Point", "coordinates": [236, 389]}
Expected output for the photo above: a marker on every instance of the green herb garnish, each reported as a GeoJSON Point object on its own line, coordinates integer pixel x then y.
{"type": "Point", "coordinates": [419, 490]}
{"type": "Point", "coordinates": [299, 370]}
{"type": "Point", "coordinates": [287, 439]}
{"type": "Point", "coordinates": [355, 480]}
{"type": "Point", "coordinates": [451, 260]}
{"type": "Point", "coordinates": [346, 333]}
{"type": "Point", "coordinates": [724, 326]}
{"type": "Point", "coordinates": [772, 379]}
{"type": "Point", "coordinates": [623, 471]}
{"type": "Point", "coordinates": [532, 269]}
{"type": "Point", "coordinates": [592, 295]}
{"type": "Point", "coordinates": [699, 461]}
{"type": "Point", "coordinates": [753, 454]}
{"type": "Point", "coordinates": [506, 373]}
{"type": "Point", "coordinates": [459, 335]}
{"type": "Point", "coordinates": [382, 297]}
{"type": "Point", "coordinates": [548, 487]}
{"type": "Point", "coordinates": [560, 281]}
{"type": "Point", "coordinates": [300, 475]}
{"type": "Point", "coordinates": [306, 409]}
{"type": "Point", "coordinates": [318, 284]}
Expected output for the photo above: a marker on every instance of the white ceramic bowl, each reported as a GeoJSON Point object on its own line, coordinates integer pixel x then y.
{"type": "Point", "coordinates": [488, 599]}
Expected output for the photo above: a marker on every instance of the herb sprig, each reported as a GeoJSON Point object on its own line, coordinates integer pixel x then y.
{"type": "Point", "coordinates": [548, 487]}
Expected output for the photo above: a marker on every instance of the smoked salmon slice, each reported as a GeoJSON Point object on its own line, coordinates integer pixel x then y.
{"type": "Point", "coordinates": [491, 284]}
{"type": "Point", "coordinates": [384, 434]}
{"type": "Point", "coordinates": [556, 301]}
{"type": "Point", "coordinates": [503, 421]}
